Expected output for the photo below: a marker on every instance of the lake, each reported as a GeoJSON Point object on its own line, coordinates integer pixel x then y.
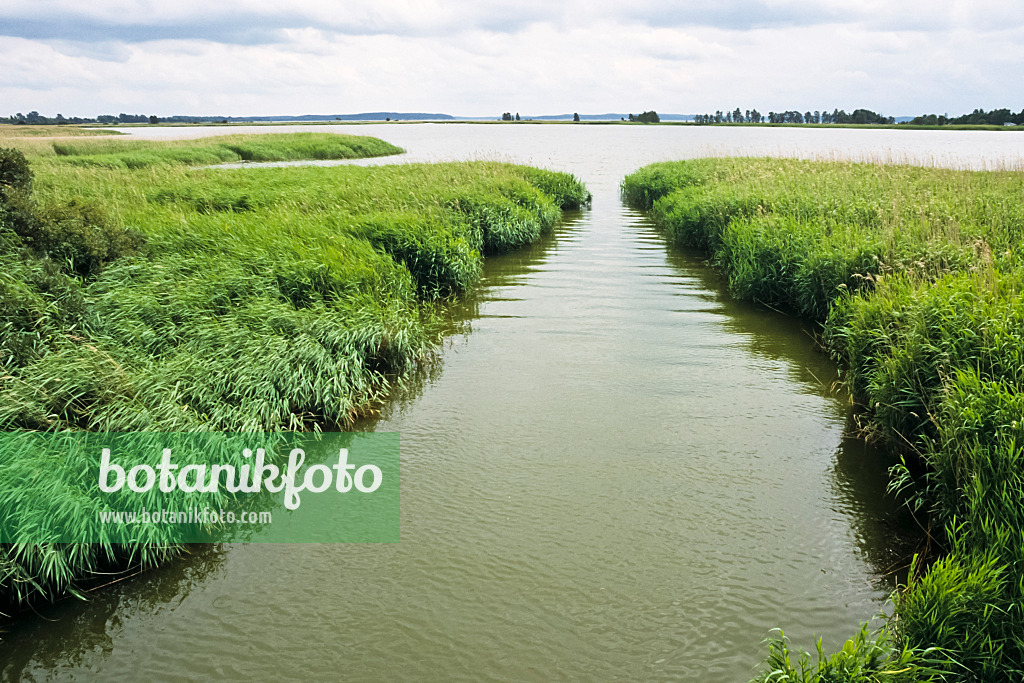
{"type": "Point", "coordinates": [612, 470]}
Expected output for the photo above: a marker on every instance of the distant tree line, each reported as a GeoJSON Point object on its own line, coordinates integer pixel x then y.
{"type": "Point", "coordinates": [34, 118]}
{"type": "Point", "coordinates": [646, 117]}
{"type": "Point", "coordinates": [735, 116]}
{"type": "Point", "coordinates": [859, 116]}
{"type": "Point", "coordinates": [978, 117]}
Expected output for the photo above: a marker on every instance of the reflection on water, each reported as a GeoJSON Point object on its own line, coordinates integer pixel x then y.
{"type": "Point", "coordinates": [612, 471]}
{"type": "Point", "coordinates": [72, 636]}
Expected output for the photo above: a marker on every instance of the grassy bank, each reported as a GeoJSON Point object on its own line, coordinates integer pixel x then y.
{"type": "Point", "coordinates": [915, 276]}
{"type": "Point", "coordinates": [9, 132]}
{"type": "Point", "coordinates": [140, 294]}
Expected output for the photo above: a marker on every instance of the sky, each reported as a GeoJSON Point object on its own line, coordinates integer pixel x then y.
{"type": "Point", "coordinates": [534, 57]}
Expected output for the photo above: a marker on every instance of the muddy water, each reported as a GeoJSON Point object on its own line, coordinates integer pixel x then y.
{"type": "Point", "coordinates": [614, 471]}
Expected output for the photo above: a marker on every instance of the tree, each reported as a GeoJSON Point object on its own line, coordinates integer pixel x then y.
{"type": "Point", "coordinates": [14, 170]}
{"type": "Point", "coordinates": [576, 117]}
{"type": "Point", "coordinates": [507, 116]}
{"type": "Point", "coordinates": [649, 117]}
{"type": "Point", "coordinates": [517, 116]}
{"type": "Point", "coordinates": [16, 210]}
{"type": "Point", "coordinates": [862, 116]}
{"type": "Point", "coordinates": [737, 116]}
{"type": "Point", "coordinates": [154, 120]}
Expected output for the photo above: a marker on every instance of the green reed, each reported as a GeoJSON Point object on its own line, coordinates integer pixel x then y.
{"type": "Point", "coordinates": [128, 153]}
{"type": "Point", "coordinates": [140, 293]}
{"type": "Point", "coordinates": [915, 277]}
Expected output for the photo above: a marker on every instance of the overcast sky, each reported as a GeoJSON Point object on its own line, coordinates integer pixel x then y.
{"type": "Point", "coordinates": [479, 58]}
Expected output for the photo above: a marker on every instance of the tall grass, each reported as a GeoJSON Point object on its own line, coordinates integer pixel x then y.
{"type": "Point", "coordinates": [915, 276]}
{"type": "Point", "coordinates": [127, 153]}
{"type": "Point", "coordinates": [137, 293]}
{"type": "Point", "coordinates": [864, 658]}
{"type": "Point", "coordinates": [13, 132]}
{"type": "Point", "coordinates": [49, 492]}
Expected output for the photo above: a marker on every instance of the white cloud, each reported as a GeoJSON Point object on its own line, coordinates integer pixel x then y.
{"type": "Point", "coordinates": [472, 58]}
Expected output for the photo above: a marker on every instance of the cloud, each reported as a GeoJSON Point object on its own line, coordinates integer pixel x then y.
{"type": "Point", "coordinates": [263, 22]}
{"type": "Point", "coordinates": [735, 15]}
{"type": "Point", "coordinates": [87, 30]}
{"type": "Point", "coordinates": [256, 22]}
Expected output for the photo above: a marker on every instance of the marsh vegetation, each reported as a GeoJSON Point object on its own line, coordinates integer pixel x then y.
{"type": "Point", "coordinates": [141, 294]}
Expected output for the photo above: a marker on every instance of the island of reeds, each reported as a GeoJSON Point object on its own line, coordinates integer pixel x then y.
{"type": "Point", "coordinates": [915, 277]}
{"type": "Point", "coordinates": [143, 289]}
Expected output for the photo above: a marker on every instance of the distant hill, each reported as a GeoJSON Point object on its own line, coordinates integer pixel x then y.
{"type": "Point", "coordinates": [422, 116]}
{"type": "Point", "coordinates": [365, 116]}
{"type": "Point", "coordinates": [597, 117]}
{"type": "Point", "coordinates": [402, 116]}
{"type": "Point", "coordinates": [676, 117]}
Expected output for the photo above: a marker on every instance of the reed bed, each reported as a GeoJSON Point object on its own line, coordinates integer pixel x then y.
{"type": "Point", "coordinates": [915, 277]}
{"type": "Point", "coordinates": [140, 294]}
{"type": "Point", "coordinates": [12, 132]}
{"type": "Point", "coordinates": [133, 154]}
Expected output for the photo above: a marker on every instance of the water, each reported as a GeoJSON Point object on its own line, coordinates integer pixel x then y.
{"type": "Point", "coordinates": [613, 472]}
